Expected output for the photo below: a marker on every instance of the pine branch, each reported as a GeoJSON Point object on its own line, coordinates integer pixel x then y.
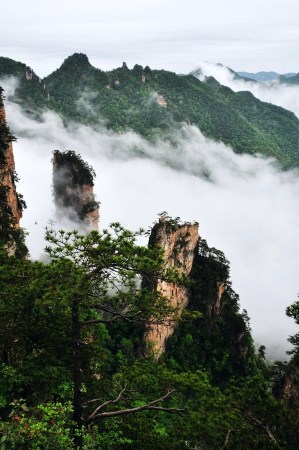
{"type": "Point", "coordinates": [96, 415]}
{"type": "Point", "coordinates": [260, 424]}
{"type": "Point", "coordinates": [227, 436]}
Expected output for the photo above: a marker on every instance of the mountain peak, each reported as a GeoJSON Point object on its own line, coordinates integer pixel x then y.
{"type": "Point", "coordinates": [76, 60]}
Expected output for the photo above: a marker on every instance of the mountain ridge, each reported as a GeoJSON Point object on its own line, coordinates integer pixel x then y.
{"type": "Point", "coordinates": [155, 103]}
{"type": "Point", "coordinates": [264, 76]}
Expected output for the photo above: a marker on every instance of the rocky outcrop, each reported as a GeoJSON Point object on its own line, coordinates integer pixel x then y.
{"type": "Point", "coordinates": [11, 204]}
{"type": "Point", "coordinates": [7, 171]}
{"type": "Point", "coordinates": [214, 306]}
{"type": "Point", "coordinates": [179, 242]}
{"type": "Point", "coordinates": [161, 100]}
{"type": "Point", "coordinates": [290, 388]}
{"type": "Point", "coordinates": [73, 189]}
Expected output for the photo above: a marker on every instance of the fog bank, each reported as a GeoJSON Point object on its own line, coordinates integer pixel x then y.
{"type": "Point", "coordinates": [286, 96]}
{"type": "Point", "coordinates": [244, 205]}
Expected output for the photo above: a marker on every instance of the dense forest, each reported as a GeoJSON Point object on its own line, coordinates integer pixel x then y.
{"type": "Point", "coordinates": [156, 104]}
{"type": "Point", "coordinates": [75, 370]}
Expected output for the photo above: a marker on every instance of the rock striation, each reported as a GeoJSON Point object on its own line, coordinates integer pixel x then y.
{"type": "Point", "coordinates": [12, 237]}
{"type": "Point", "coordinates": [73, 189]}
{"type": "Point", "coordinates": [287, 385]}
{"type": "Point", "coordinates": [290, 388]}
{"type": "Point", "coordinates": [8, 175]}
{"type": "Point", "coordinates": [179, 242]}
{"type": "Point", "coordinates": [11, 203]}
{"type": "Point", "coordinates": [215, 334]}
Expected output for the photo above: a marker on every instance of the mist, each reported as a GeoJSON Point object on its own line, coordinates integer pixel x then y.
{"type": "Point", "coordinates": [245, 206]}
{"type": "Point", "coordinates": [286, 96]}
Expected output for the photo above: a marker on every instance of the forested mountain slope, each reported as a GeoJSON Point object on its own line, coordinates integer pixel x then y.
{"type": "Point", "coordinates": [289, 80]}
{"type": "Point", "coordinates": [156, 102]}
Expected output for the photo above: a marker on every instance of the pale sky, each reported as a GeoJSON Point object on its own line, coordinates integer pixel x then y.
{"type": "Point", "coordinates": [170, 34]}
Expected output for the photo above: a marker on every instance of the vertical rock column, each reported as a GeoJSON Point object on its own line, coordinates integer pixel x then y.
{"type": "Point", "coordinates": [179, 242]}
{"type": "Point", "coordinates": [73, 190]}
{"type": "Point", "coordinates": [7, 171]}
{"type": "Point", "coordinates": [290, 388]}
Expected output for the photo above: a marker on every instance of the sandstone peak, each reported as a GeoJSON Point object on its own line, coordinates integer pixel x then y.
{"type": "Point", "coordinates": [73, 189]}
{"type": "Point", "coordinates": [179, 242]}
{"type": "Point", "coordinates": [11, 204]}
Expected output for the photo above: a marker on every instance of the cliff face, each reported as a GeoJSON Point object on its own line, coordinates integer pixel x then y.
{"type": "Point", "coordinates": [7, 171]}
{"type": "Point", "coordinates": [11, 204]}
{"type": "Point", "coordinates": [178, 242]}
{"type": "Point", "coordinates": [290, 388]}
{"type": "Point", "coordinates": [73, 189]}
{"type": "Point", "coordinates": [217, 336]}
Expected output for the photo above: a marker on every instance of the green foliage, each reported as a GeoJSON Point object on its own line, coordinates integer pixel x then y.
{"type": "Point", "coordinates": [120, 100]}
{"type": "Point", "coordinates": [293, 311]}
{"type": "Point", "coordinates": [95, 274]}
{"type": "Point", "coordinates": [219, 340]}
{"type": "Point", "coordinates": [33, 346]}
{"type": "Point", "coordinates": [37, 358]}
{"type": "Point", "coordinates": [74, 166]}
{"type": "Point", "coordinates": [260, 411]}
{"type": "Point", "coordinates": [46, 426]}
{"type": "Point", "coordinates": [10, 384]}
{"type": "Point", "coordinates": [10, 67]}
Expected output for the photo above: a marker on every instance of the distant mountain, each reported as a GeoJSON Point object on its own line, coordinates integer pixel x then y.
{"type": "Point", "coordinates": [289, 80]}
{"type": "Point", "coordinates": [156, 103]}
{"type": "Point", "coordinates": [264, 76]}
{"type": "Point", "coordinates": [236, 75]}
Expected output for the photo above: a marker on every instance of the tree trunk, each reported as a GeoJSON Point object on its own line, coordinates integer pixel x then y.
{"type": "Point", "coordinates": [77, 371]}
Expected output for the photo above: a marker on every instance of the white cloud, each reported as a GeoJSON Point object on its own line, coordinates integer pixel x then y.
{"type": "Point", "coordinates": [245, 207]}
{"type": "Point", "coordinates": [286, 96]}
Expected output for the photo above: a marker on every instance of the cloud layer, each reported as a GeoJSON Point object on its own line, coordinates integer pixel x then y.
{"type": "Point", "coordinates": [245, 207]}
{"type": "Point", "coordinates": [286, 96]}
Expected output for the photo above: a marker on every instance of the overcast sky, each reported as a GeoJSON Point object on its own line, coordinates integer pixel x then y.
{"type": "Point", "coordinates": [171, 34]}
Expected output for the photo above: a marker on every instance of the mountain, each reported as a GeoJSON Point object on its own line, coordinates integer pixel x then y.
{"type": "Point", "coordinates": [156, 103]}
{"type": "Point", "coordinates": [236, 75]}
{"type": "Point", "coordinates": [263, 77]}
{"type": "Point", "coordinates": [294, 79]}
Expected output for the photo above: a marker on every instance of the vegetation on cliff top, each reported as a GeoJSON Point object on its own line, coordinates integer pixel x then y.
{"type": "Point", "coordinates": [72, 186]}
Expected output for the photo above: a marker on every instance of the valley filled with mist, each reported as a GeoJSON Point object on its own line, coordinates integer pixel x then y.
{"type": "Point", "coordinates": [246, 206]}
{"type": "Point", "coordinates": [210, 147]}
